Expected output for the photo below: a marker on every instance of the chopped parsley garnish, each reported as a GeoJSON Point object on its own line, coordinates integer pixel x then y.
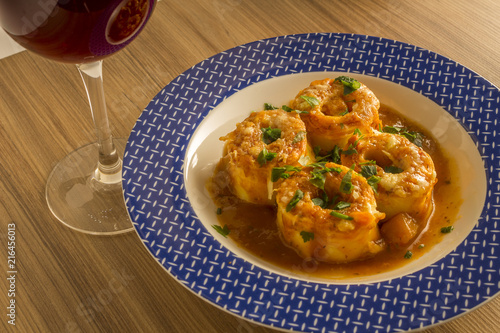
{"type": "Point", "coordinates": [408, 254]}
{"type": "Point", "coordinates": [341, 216]}
{"type": "Point", "coordinates": [268, 107]}
{"type": "Point", "coordinates": [368, 170]}
{"type": "Point", "coordinates": [307, 236]}
{"type": "Point", "coordinates": [350, 150]}
{"type": "Point", "coordinates": [295, 200]}
{"type": "Point", "coordinates": [316, 151]}
{"type": "Point", "coordinates": [269, 135]}
{"type": "Point", "coordinates": [414, 137]}
{"type": "Point", "coordinates": [281, 172]}
{"type": "Point", "coordinates": [349, 83]}
{"type": "Point", "coordinates": [322, 166]}
{"type": "Point", "coordinates": [318, 179]}
{"type": "Point", "coordinates": [373, 181]}
{"type": "Point", "coordinates": [289, 109]}
{"type": "Point", "coordinates": [265, 156]}
{"type": "Point", "coordinates": [352, 147]}
{"type": "Point", "coordinates": [323, 202]}
{"type": "Point", "coordinates": [301, 135]}
{"type": "Point", "coordinates": [218, 211]}
{"type": "Point", "coordinates": [392, 129]}
{"type": "Point", "coordinates": [318, 202]}
{"type": "Point", "coordinates": [335, 154]}
{"type": "Point", "coordinates": [393, 169]}
{"type": "Point", "coordinates": [447, 230]}
{"type": "Point", "coordinates": [311, 100]}
{"type": "Point", "coordinates": [341, 205]}
{"type": "Point", "coordinates": [224, 231]}
{"type": "Point", "coordinates": [332, 156]}
{"type": "Point", "coordinates": [343, 113]}
{"type": "Point", "coordinates": [346, 183]}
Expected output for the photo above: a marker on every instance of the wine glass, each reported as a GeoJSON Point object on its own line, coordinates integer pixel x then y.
{"type": "Point", "coordinates": [84, 189]}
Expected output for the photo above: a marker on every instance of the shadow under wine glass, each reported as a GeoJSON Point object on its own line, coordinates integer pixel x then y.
{"type": "Point", "coordinates": [84, 189]}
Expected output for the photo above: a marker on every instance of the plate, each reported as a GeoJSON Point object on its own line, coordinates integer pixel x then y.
{"type": "Point", "coordinates": [174, 146]}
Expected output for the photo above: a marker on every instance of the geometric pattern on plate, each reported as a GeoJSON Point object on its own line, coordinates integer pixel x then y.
{"type": "Point", "coordinates": [165, 222]}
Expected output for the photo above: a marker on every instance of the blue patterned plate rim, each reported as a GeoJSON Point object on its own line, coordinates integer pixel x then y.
{"type": "Point", "coordinates": [155, 196]}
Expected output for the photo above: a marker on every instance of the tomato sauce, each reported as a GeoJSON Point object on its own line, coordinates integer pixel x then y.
{"type": "Point", "coordinates": [253, 227]}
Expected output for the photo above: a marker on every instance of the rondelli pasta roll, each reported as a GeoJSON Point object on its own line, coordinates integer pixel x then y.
{"type": "Point", "coordinates": [402, 173]}
{"type": "Point", "coordinates": [336, 107]}
{"type": "Point", "coordinates": [328, 212]}
{"type": "Point", "coordinates": [264, 140]}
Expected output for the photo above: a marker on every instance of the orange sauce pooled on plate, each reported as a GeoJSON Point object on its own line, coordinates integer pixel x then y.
{"type": "Point", "coordinates": [253, 227]}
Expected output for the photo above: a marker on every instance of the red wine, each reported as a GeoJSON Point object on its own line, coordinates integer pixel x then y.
{"type": "Point", "coordinates": [74, 31]}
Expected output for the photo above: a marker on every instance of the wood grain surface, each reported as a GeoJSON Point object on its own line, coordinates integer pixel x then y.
{"type": "Point", "coordinates": [73, 282]}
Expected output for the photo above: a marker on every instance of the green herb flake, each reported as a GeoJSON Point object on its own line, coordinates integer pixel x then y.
{"type": "Point", "coordinates": [393, 169]}
{"type": "Point", "coordinates": [321, 167]}
{"type": "Point", "coordinates": [414, 137]}
{"type": "Point", "coordinates": [318, 202]}
{"type": "Point", "coordinates": [268, 107]}
{"type": "Point", "coordinates": [218, 211]}
{"type": "Point", "coordinates": [332, 156]}
{"type": "Point", "coordinates": [373, 182]}
{"type": "Point", "coordinates": [392, 129]}
{"type": "Point", "coordinates": [265, 156]}
{"type": "Point", "coordinates": [408, 255]}
{"type": "Point", "coordinates": [289, 109]}
{"type": "Point", "coordinates": [335, 154]}
{"type": "Point", "coordinates": [281, 172]}
{"type": "Point", "coordinates": [295, 200]}
{"type": "Point", "coordinates": [316, 151]}
{"type": "Point", "coordinates": [447, 230]}
{"type": "Point", "coordinates": [341, 205]}
{"type": "Point", "coordinates": [350, 151]}
{"type": "Point", "coordinates": [318, 179]}
{"type": "Point", "coordinates": [349, 83]}
{"type": "Point", "coordinates": [421, 246]}
{"type": "Point", "coordinates": [341, 216]}
{"type": "Point", "coordinates": [307, 236]}
{"type": "Point", "coordinates": [224, 231]}
{"type": "Point", "coordinates": [346, 183]}
{"type": "Point", "coordinates": [269, 135]}
{"type": "Point", "coordinates": [368, 170]}
{"type": "Point", "coordinates": [311, 100]}
{"type": "Point", "coordinates": [301, 135]}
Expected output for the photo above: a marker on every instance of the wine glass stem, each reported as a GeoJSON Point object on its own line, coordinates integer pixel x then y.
{"type": "Point", "coordinates": [108, 168]}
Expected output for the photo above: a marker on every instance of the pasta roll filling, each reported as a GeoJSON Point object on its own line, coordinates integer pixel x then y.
{"type": "Point", "coordinates": [328, 212]}
{"type": "Point", "coordinates": [405, 173]}
{"type": "Point", "coordinates": [264, 140]}
{"type": "Point", "coordinates": [340, 106]}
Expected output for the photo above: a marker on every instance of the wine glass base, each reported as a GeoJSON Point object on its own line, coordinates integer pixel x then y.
{"type": "Point", "coordinates": [80, 201]}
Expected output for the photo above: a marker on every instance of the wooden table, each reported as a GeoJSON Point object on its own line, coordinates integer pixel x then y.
{"type": "Point", "coordinates": [73, 282]}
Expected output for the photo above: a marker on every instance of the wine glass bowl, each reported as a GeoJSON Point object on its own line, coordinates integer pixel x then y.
{"type": "Point", "coordinates": [84, 190]}
{"type": "Point", "coordinates": [74, 31]}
